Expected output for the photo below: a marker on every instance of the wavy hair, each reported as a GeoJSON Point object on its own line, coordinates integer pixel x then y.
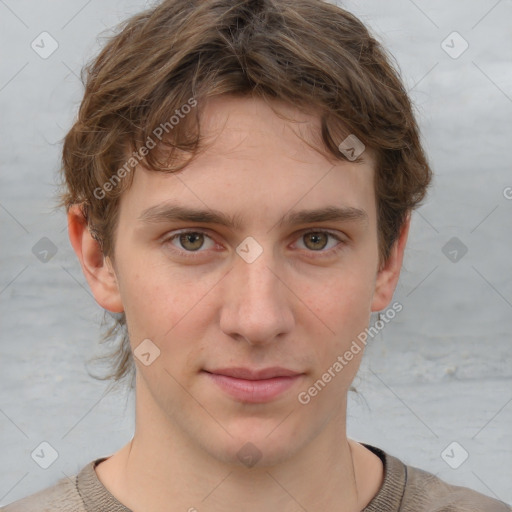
{"type": "Point", "coordinates": [309, 53]}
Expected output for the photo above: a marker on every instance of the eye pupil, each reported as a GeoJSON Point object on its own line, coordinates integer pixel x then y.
{"type": "Point", "coordinates": [193, 239]}
{"type": "Point", "coordinates": [315, 238]}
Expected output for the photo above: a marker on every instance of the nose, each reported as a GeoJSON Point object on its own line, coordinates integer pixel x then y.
{"type": "Point", "coordinates": [257, 304]}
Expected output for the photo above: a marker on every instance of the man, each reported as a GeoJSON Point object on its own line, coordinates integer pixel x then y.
{"type": "Point", "coordinates": [239, 184]}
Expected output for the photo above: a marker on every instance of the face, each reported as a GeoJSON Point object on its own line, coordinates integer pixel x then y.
{"type": "Point", "coordinates": [259, 283]}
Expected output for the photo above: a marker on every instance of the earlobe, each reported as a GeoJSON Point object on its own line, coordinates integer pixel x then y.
{"type": "Point", "coordinates": [97, 269]}
{"type": "Point", "coordinates": [387, 276]}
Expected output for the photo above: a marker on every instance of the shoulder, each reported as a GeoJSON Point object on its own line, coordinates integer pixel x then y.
{"type": "Point", "coordinates": [426, 492]}
{"type": "Point", "coordinates": [60, 497]}
{"type": "Point", "coordinates": [410, 489]}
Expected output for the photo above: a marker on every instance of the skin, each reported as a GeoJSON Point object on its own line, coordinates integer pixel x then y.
{"type": "Point", "coordinates": [299, 305]}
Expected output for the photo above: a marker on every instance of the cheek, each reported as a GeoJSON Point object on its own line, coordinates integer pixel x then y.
{"type": "Point", "coordinates": [340, 311]}
{"type": "Point", "coordinates": [341, 298]}
{"type": "Point", "coordinates": [159, 301]}
{"type": "Point", "coordinates": [343, 311]}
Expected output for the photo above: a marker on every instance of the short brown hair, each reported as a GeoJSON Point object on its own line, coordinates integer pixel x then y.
{"type": "Point", "coordinates": [308, 53]}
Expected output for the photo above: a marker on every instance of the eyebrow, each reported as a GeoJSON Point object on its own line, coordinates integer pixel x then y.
{"type": "Point", "coordinates": [168, 213]}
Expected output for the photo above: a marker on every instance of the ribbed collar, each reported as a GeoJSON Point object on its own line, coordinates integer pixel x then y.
{"type": "Point", "coordinates": [95, 495]}
{"type": "Point", "coordinates": [389, 497]}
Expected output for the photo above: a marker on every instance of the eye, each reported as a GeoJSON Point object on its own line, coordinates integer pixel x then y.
{"type": "Point", "coordinates": [189, 241]}
{"type": "Point", "coordinates": [317, 241]}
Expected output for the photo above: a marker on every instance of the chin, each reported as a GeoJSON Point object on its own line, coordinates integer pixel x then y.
{"type": "Point", "coordinates": [256, 444]}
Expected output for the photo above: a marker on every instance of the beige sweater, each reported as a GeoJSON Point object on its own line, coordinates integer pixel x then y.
{"type": "Point", "coordinates": [405, 489]}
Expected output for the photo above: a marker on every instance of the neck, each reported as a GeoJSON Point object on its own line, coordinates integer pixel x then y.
{"type": "Point", "coordinates": [162, 469]}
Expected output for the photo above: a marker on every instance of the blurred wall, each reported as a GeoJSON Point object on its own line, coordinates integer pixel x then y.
{"type": "Point", "coordinates": [435, 388]}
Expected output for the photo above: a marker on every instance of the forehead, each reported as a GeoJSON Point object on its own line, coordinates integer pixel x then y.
{"type": "Point", "coordinates": [257, 160]}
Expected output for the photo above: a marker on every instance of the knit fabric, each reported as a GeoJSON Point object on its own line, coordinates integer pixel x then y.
{"type": "Point", "coordinates": [404, 489]}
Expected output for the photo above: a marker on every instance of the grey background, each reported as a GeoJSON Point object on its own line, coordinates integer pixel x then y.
{"type": "Point", "coordinates": [439, 372]}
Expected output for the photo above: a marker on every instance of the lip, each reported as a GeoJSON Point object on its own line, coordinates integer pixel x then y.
{"type": "Point", "coordinates": [254, 386]}
{"type": "Point", "coordinates": [249, 374]}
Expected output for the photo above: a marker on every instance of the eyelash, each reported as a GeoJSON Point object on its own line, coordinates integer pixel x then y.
{"type": "Point", "coordinates": [198, 253]}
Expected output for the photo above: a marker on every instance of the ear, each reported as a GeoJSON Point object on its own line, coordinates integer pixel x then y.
{"type": "Point", "coordinates": [97, 269]}
{"type": "Point", "coordinates": [389, 272]}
